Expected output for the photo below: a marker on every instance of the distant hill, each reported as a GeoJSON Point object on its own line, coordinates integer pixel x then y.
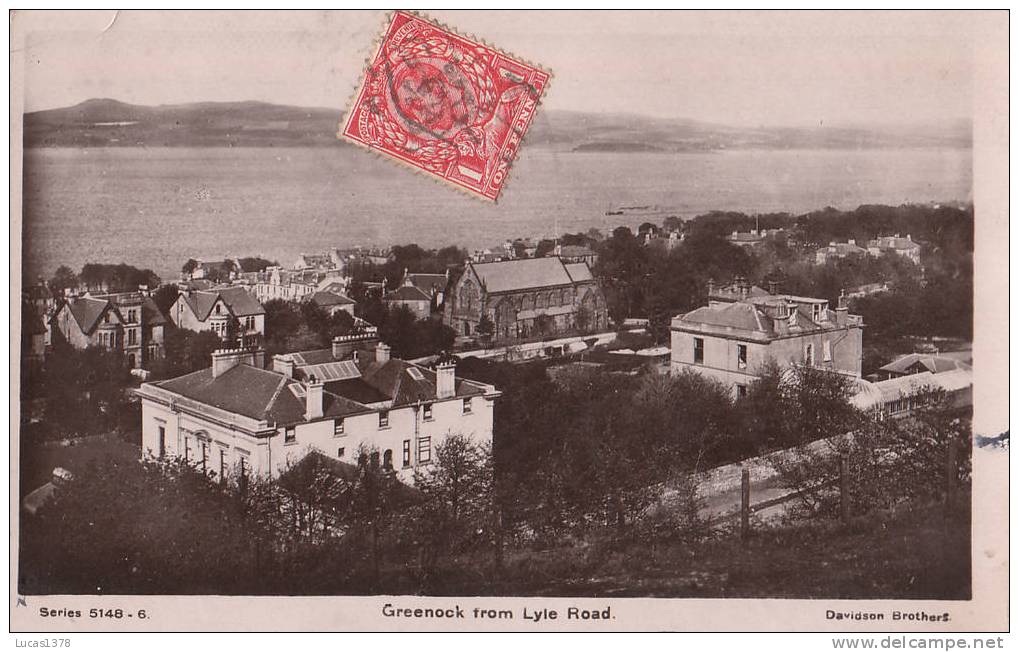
{"type": "Point", "coordinates": [109, 123]}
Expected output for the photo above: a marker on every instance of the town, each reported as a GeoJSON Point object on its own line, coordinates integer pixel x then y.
{"type": "Point", "coordinates": [382, 418]}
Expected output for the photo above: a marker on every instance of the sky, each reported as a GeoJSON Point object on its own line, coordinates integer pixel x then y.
{"type": "Point", "coordinates": [733, 68]}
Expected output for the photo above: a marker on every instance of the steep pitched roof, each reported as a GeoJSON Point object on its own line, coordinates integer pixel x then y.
{"type": "Point", "coordinates": [151, 314]}
{"type": "Point", "coordinates": [238, 300]}
{"type": "Point", "coordinates": [87, 311]}
{"type": "Point", "coordinates": [522, 274]}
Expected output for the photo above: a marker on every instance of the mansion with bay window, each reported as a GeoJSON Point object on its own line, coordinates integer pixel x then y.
{"type": "Point", "coordinates": [238, 416]}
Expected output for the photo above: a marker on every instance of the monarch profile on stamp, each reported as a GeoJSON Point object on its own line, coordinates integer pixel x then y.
{"type": "Point", "coordinates": [445, 104]}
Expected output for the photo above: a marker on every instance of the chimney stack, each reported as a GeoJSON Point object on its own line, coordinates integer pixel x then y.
{"type": "Point", "coordinates": [445, 379]}
{"type": "Point", "coordinates": [711, 287]}
{"type": "Point", "coordinates": [284, 364]}
{"type": "Point", "coordinates": [313, 401]}
{"type": "Point", "coordinates": [842, 311]}
{"type": "Point", "coordinates": [225, 359]}
{"type": "Point", "coordinates": [772, 287]}
{"type": "Point", "coordinates": [382, 351]}
{"type": "Point", "coordinates": [345, 345]}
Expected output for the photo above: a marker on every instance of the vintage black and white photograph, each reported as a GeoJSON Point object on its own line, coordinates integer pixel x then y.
{"type": "Point", "coordinates": [564, 305]}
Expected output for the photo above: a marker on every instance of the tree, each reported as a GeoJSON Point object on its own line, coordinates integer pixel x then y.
{"type": "Point", "coordinates": [63, 279]}
{"type": "Point", "coordinates": [486, 328]}
{"type": "Point", "coordinates": [188, 268]}
{"type": "Point", "coordinates": [455, 512]}
{"type": "Point", "coordinates": [543, 324]}
{"type": "Point", "coordinates": [582, 318]}
{"type": "Point", "coordinates": [672, 223]}
{"type": "Point", "coordinates": [85, 389]}
{"type": "Point", "coordinates": [185, 351]}
{"type": "Point", "coordinates": [370, 502]}
{"type": "Point", "coordinates": [545, 247]}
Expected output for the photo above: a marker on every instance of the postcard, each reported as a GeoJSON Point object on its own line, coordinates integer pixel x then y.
{"type": "Point", "coordinates": [509, 321]}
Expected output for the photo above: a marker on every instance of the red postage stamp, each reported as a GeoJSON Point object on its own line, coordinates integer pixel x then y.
{"type": "Point", "coordinates": [445, 104]}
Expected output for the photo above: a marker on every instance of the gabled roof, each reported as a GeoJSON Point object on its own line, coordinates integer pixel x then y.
{"type": "Point", "coordinates": [325, 299]}
{"type": "Point", "coordinates": [238, 300]}
{"type": "Point", "coordinates": [427, 283]}
{"type": "Point", "coordinates": [87, 311]}
{"type": "Point", "coordinates": [407, 293]}
{"type": "Point", "coordinates": [151, 314]}
{"type": "Point", "coordinates": [522, 274]}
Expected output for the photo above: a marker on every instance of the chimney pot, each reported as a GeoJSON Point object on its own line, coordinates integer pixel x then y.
{"type": "Point", "coordinates": [445, 379]}
{"type": "Point", "coordinates": [313, 399]}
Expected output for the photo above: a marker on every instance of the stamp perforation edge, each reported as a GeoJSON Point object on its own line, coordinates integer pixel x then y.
{"type": "Point", "coordinates": [360, 88]}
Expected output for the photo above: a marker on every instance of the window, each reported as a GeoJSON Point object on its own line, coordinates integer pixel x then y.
{"type": "Point", "coordinates": [826, 351]}
{"type": "Point", "coordinates": [406, 453]}
{"type": "Point", "coordinates": [698, 350]}
{"type": "Point", "coordinates": [338, 428]}
{"type": "Point", "coordinates": [427, 411]}
{"type": "Point", "coordinates": [290, 436]}
{"type": "Point", "coordinates": [242, 463]}
{"type": "Point", "coordinates": [467, 406]}
{"type": "Point", "coordinates": [340, 452]}
{"type": "Point", "coordinates": [387, 460]}
{"type": "Point", "coordinates": [384, 419]}
{"type": "Point", "coordinates": [741, 390]}
{"type": "Point", "coordinates": [205, 456]}
{"type": "Point", "coordinates": [425, 449]}
{"type": "Point", "coordinates": [817, 312]}
{"type": "Point", "coordinates": [741, 356]}
{"type": "Point", "coordinates": [162, 441]}
{"type": "Point", "coordinates": [132, 337]}
{"type": "Point", "coordinates": [808, 355]}
{"type": "Point", "coordinates": [187, 448]}
{"type": "Point", "coordinates": [222, 465]}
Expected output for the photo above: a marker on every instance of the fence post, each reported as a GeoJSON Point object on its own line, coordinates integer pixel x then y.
{"type": "Point", "coordinates": [951, 475]}
{"type": "Point", "coordinates": [844, 489]}
{"type": "Point", "coordinates": [744, 510]}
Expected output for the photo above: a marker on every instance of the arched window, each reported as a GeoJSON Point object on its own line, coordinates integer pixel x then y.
{"type": "Point", "coordinates": [387, 460]}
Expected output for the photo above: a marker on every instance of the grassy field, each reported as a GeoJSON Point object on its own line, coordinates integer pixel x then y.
{"type": "Point", "coordinates": [910, 554]}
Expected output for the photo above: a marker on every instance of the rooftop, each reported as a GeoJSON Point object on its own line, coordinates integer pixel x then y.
{"type": "Point", "coordinates": [522, 274]}
{"type": "Point", "coordinates": [932, 363]}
